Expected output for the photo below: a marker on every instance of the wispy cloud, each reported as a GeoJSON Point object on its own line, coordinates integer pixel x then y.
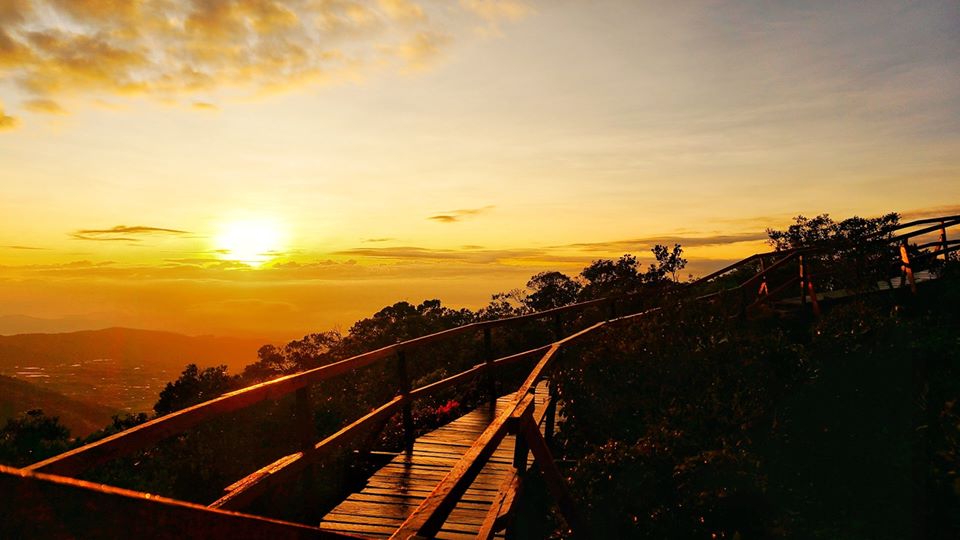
{"type": "Point", "coordinates": [126, 233]}
{"type": "Point", "coordinates": [935, 211]}
{"type": "Point", "coordinates": [27, 247]}
{"type": "Point", "coordinates": [430, 254]}
{"type": "Point", "coordinates": [378, 240]}
{"type": "Point", "coordinates": [457, 215]}
{"type": "Point", "coordinates": [636, 245]}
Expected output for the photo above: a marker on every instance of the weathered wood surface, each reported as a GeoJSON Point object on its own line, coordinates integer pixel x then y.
{"type": "Point", "coordinates": [36, 505]}
{"type": "Point", "coordinates": [399, 487]}
{"type": "Point", "coordinates": [245, 491]}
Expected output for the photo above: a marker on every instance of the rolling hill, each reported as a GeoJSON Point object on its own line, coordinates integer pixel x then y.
{"type": "Point", "coordinates": [82, 417]}
{"type": "Point", "coordinates": [121, 368]}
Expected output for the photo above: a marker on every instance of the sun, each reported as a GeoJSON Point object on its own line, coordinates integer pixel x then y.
{"type": "Point", "coordinates": [250, 241]}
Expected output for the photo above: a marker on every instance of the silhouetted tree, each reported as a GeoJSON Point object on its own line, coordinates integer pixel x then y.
{"type": "Point", "coordinates": [504, 304]}
{"type": "Point", "coordinates": [402, 321]}
{"type": "Point", "coordinates": [551, 290]}
{"type": "Point", "coordinates": [605, 277]}
{"type": "Point", "coordinates": [859, 253]}
{"type": "Point", "coordinates": [311, 351]}
{"type": "Point", "coordinates": [195, 386]}
{"type": "Point", "coordinates": [822, 229]}
{"type": "Point", "coordinates": [31, 437]}
{"type": "Point", "coordinates": [668, 262]}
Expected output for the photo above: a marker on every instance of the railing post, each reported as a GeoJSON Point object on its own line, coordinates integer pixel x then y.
{"type": "Point", "coordinates": [764, 289]}
{"type": "Point", "coordinates": [552, 477]}
{"type": "Point", "coordinates": [806, 282]}
{"type": "Point", "coordinates": [943, 240]}
{"type": "Point", "coordinates": [404, 376]}
{"type": "Point", "coordinates": [803, 284]}
{"type": "Point", "coordinates": [907, 270]}
{"type": "Point", "coordinates": [813, 295]}
{"type": "Point", "coordinates": [612, 308]}
{"type": "Point", "coordinates": [550, 414]}
{"type": "Point", "coordinates": [520, 446]}
{"type": "Point", "coordinates": [306, 435]}
{"type": "Point", "coordinates": [557, 327]}
{"type": "Point", "coordinates": [488, 360]}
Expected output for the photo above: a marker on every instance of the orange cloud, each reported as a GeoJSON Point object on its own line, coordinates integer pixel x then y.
{"type": "Point", "coordinates": [171, 48]}
{"type": "Point", "coordinates": [47, 106]}
{"type": "Point", "coordinates": [7, 122]}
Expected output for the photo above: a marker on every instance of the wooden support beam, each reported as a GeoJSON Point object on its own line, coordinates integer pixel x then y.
{"type": "Point", "coordinates": [803, 283]}
{"type": "Point", "coordinates": [488, 359]}
{"type": "Point", "coordinates": [550, 415]}
{"type": "Point", "coordinates": [500, 508]}
{"type": "Point", "coordinates": [409, 430]}
{"type": "Point", "coordinates": [500, 513]}
{"type": "Point", "coordinates": [250, 488]}
{"type": "Point", "coordinates": [943, 240]}
{"type": "Point", "coordinates": [813, 296]}
{"type": "Point", "coordinates": [530, 433]}
{"type": "Point", "coordinates": [764, 289]}
{"type": "Point", "coordinates": [907, 269]}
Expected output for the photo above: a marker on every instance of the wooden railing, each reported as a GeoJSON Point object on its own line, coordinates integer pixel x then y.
{"type": "Point", "coordinates": [126, 442]}
{"type": "Point", "coordinates": [758, 290]}
{"type": "Point", "coordinates": [518, 418]}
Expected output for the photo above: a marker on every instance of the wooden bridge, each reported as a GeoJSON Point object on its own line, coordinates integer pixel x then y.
{"type": "Point", "coordinates": [460, 480]}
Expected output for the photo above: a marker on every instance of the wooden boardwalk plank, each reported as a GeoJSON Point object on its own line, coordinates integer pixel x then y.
{"type": "Point", "coordinates": [396, 489]}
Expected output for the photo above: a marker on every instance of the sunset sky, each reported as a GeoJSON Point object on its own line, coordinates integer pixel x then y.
{"type": "Point", "coordinates": [268, 168]}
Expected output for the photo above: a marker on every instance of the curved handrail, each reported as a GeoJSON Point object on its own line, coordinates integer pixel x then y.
{"type": "Point", "coordinates": [125, 442]}
{"type": "Point", "coordinates": [425, 516]}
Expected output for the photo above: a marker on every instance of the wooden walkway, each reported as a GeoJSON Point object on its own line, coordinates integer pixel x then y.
{"type": "Point", "coordinates": [392, 493]}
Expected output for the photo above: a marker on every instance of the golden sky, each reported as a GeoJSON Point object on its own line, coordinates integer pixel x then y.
{"type": "Point", "coordinates": [270, 168]}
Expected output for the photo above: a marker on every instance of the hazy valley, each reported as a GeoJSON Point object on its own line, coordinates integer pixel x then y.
{"type": "Point", "coordinates": [94, 373]}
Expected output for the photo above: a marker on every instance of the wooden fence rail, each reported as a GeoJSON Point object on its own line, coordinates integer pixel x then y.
{"type": "Point", "coordinates": [518, 419]}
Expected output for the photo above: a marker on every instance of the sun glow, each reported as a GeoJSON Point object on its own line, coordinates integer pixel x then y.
{"type": "Point", "coordinates": [250, 241]}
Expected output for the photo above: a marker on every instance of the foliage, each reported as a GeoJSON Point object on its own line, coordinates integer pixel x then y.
{"type": "Point", "coordinates": [669, 261]}
{"type": "Point", "coordinates": [604, 277]}
{"type": "Point", "coordinates": [31, 437]}
{"type": "Point", "coordinates": [311, 351]}
{"type": "Point", "coordinates": [551, 290]}
{"type": "Point", "coordinates": [820, 230]}
{"type": "Point", "coordinates": [690, 424]}
{"type": "Point", "coordinates": [504, 304]}
{"type": "Point", "coordinates": [195, 386]}
{"type": "Point", "coordinates": [686, 424]}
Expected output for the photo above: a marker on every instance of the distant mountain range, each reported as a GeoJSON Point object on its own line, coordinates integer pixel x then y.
{"type": "Point", "coordinates": [83, 418]}
{"type": "Point", "coordinates": [121, 368]}
{"type": "Point", "coordinates": [25, 324]}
